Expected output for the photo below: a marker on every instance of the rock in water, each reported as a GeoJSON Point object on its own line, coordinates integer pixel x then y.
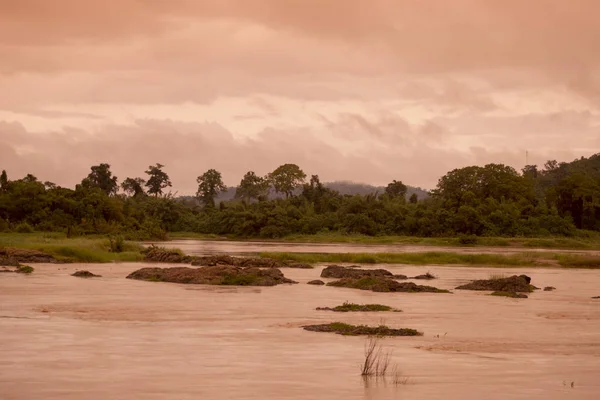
{"type": "Point", "coordinates": [215, 275]}
{"type": "Point", "coordinates": [85, 274]}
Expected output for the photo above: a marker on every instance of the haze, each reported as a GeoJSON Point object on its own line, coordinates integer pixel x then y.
{"type": "Point", "coordinates": [368, 91]}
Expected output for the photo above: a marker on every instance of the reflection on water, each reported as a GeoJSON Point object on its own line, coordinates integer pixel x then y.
{"type": "Point", "coordinates": [210, 247]}
{"type": "Point", "coordinates": [112, 338]}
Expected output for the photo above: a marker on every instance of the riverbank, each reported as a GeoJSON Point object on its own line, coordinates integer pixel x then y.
{"type": "Point", "coordinates": [99, 249]}
{"type": "Point", "coordinates": [589, 242]}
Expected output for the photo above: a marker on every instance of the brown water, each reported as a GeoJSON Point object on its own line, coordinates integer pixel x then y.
{"type": "Point", "coordinates": [112, 338]}
{"type": "Point", "coordinates": [202, 247]}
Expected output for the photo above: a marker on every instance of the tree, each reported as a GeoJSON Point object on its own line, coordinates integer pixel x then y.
{"type": "Point", "coordinates": [414, 199]}
{"type": "Point", "coordinates": [210, 184]}
{"type": "Point", "coordinates": [133, 186]}
{"type": "Point", "coordinates": [3, 181]}
{"type": "Point", "coordinates": [158, 180]}
{"type": "Point", "coordinates": [252, 186]}
{"type": "Point", "coordinates": [396, 189]}
{"type": "Point", "coordinates": [102, 178]}
{"type": "Point", "coordinates": [286, 178]}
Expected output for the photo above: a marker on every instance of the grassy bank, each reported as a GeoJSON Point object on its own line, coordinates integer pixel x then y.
{"type": "Point", "coordinates": [446, 258]}
{"type": "Point", "coordinates": [89, 249]}
{"type": "Point", "coordinates": [583, 243]}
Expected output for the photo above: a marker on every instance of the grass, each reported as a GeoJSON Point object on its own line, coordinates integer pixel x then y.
{"type": "Point", "coordinates": [427, 258]}
{"type": "Point", "coordinates": [531, 259]}
{"type": "Point", "coordinates": [24, 269]}
{"type": "Point", "coordinates": [376, 361]}
{"type": "Point", "coordinates": [353, 307]}
{"type": "Point", "coordinates": [89, 249]}
{"type": "Point", "coordinates": [342, 328]}
{"type": "Point", "coordinates": [591, 242]}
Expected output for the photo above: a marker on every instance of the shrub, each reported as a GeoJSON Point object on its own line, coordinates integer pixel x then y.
{"type": "Point", "coordinates": [116, 244]}
{"type": "Point", "coordinates": [24, 227]}
{"type": "Point", "coordinates": [467, 239]}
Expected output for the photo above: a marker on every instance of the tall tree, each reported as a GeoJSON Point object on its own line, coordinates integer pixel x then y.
{"type": "Point", "coordinates": [133, 186]}
{"type": "Point", "coordinates": [252, 186]}
{"type": "Point", "coordinates": [286, 178]}
{"type": "Point", "coordinates": [3, 181]}
{"type": "Point", "coordinates": [158, 180]}
{"type": "Point", "coordinates": [396, 189]}
{"type": "Point", "coordinates": [210, 184]}
{"type": "Point", "coordinates": [102, 178]}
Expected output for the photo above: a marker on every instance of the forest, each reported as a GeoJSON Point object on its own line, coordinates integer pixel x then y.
{"type": "Point", "coordinates": [558, 199]}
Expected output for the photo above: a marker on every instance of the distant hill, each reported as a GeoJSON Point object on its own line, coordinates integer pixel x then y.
{"type": "Point", "coordinates": [344, 187]}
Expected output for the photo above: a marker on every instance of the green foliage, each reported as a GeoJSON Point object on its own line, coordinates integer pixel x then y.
{"type": "Point", "coordinates": [25, 269]}
{"type": "Point", "coordinates": [134, 186]}
{"type": "Point", "coordinates": [116, 244]}
{"type": "Point", "coordinates": [492, 205]}
{"type": "Point", "coordinates": [286, 178]}
{"type": "Point", "coordinates": [158, 180]}
{"type": "Point", "coordinates": [24, 227]}
{"type": "Point", "coordinates": [396, 189]}
{"type": "Point", "coordinates": [210, 184]}
{"type": "Point", "coordinates": [467, 239]}
{"type": "Point", "coordinates": [102, 178]}
{"type": "Point", "coordinates": [252, 187]}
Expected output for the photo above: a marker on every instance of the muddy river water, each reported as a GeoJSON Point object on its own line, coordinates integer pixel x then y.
{"type": "Point", "coordinates": [112, 338]}
{"type": "Point", "coordinates": [201, 247]}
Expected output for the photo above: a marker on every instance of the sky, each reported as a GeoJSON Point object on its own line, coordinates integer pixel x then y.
{"type": "Point", "coordinates": [358, 90]}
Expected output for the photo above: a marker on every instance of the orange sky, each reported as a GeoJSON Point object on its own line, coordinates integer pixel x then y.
{"type": "Point", "coordinates": [363, 90]}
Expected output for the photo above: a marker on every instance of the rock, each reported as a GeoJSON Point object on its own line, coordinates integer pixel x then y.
{"type": "Point", "coordinates": [163, 255]}
{"type": "Point", "coordinates": [353, 330]}
{"type": "Point", "coordinates": [378, 284]}
{"type": "Point", "coordinates": [213, 275]}
{"type": "Point", "coordinates": [316, 282]}
{"type": "Point", "coordinates": [247, 262]}
{"type": "Point", "coordinates": [513, 284]}
{"type": "Point", "coordinates": [427, 276]}
{"type": "Point", "coordinates": [549, 288]}
{"type": "Point", "coordinates": [85, 274]}
{"type": "Point", "coordinates": [25, 256]}
{"type": "Point", "coordinates": [514, 295]}
{"type": "Point", "coordinates": [21, 269]}
{"type": "Point", "coordinates": [8, 262]}
{"type": "Point", "coordinates": [337, 271]}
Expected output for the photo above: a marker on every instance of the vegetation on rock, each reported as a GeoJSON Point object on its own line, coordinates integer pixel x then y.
{"type": "Point", "coordinates": [354, 330]}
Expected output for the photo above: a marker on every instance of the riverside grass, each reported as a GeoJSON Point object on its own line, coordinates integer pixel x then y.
{"type": "Point", "coordinates": [532, 259]}
{"type": "Point", "coordinates": [95, 249]}
{"type": "Point", "coordinates": [88, 249]}
{"type": "Point", "coordinates": [589, 242]}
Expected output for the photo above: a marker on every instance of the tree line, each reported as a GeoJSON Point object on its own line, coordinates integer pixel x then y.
{"type": "Point", "coordinates": [561, 199]}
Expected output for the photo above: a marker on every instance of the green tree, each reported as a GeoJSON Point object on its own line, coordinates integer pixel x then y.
{"type": "Point", "coordinates": [396, 189]}
{"type": "Point", "coordinates": [252, 186]}
{"type": "Point", "coordinates": [3, 181]}
{"type": "Point", "coordinates": [102, 178]}
{"type": "Point", "coordinates": [286, 178]}
{"type": "Point", "coordinates": [133, 186]}
{"type": "Point", "coordinates": [414, 199]}
{"type": "Point", "coordinates": [210, 184]}
{"type": "Point", "coordinates": [158, 180]}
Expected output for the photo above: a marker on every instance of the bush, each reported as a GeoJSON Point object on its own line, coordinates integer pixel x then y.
{"type": "Point", "coordinates": [24, 227]}
{"type": "Point", "coordinates": [4, 227]}
{"type": "Point", "coordinates": [468, 239]}
{"type": "Point", "coordinates": [116, 244]}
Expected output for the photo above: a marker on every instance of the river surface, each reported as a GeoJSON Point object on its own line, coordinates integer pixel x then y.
{"type": "Point", "coordinates": [203, 247]}
{"type": "Point", "coordinates": [68, 338]}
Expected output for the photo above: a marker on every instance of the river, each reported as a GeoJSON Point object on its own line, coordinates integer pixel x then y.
{"type": "Point", "coordinates": [112, 338]}
{"type": "Point", "coordinates": [204, 247]}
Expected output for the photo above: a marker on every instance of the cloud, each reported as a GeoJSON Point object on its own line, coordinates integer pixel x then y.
{"type": "Point", "coordinates": [189, 149]}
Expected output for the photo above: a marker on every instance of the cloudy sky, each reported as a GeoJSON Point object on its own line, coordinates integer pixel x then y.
{"type": "Point", "coordinates": [361, 90]}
